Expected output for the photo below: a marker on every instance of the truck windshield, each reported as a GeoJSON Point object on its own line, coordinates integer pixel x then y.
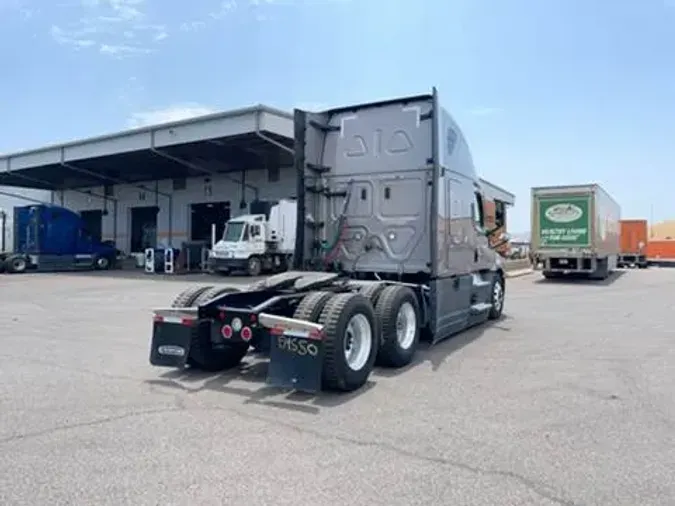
{"type": "Point", "coordinates": [233, 231]}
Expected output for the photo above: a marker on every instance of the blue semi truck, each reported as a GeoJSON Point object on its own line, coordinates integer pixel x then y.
{"type": "Point", "coordinates": [51, 238]}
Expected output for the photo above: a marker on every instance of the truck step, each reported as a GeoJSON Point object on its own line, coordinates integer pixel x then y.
{"type": "Point", "coordinates": [480, 307]}
{"type": "Point", "coordinates": [479, 282]}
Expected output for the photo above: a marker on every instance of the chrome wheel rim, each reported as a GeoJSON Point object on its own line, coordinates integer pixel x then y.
{"type": "Point", "coordinates": [358, 342]}
{"type": "Point", "coordinates": [406, 325]}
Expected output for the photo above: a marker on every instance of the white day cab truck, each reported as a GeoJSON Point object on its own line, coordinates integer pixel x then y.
{"type": "Point", "coordinates": [390, 248]}
{"type": "Point", "coordinates": [575, 230]}
{"type": "Point", "coordinates": [257, 243]}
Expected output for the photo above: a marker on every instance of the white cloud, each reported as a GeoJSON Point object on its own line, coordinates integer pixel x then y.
{"type": "Point", "coordinates": [118, 28]}
{"type": "Point", "coordinates": [260, 10]}
{"type": "Point", "coordinates": [122, 50]}
{"type": "Point", "coordinates": [173, 113]}
{"type": "Point", "coordinates": [72, 39]}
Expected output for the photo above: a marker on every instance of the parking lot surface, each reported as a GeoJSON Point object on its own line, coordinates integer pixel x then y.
{"type": "Point", "coordinates": [566, 401]}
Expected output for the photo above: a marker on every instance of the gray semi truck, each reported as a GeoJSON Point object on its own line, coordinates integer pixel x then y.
{"type": "Point", "coordinates": [575, 230]}
{"type": "Point", "coordinates": [391, 247]}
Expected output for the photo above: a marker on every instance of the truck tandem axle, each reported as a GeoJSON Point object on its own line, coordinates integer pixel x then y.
{"type": "Point", "coordinates": [320, 330]}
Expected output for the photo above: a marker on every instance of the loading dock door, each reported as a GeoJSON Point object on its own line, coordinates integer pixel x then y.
{"type": "Point", "coordinates": [93, 223]}
{"type": "Point", "coordinates": [203, 216]}
{"type": "Point", "coordinates": [143, 228]}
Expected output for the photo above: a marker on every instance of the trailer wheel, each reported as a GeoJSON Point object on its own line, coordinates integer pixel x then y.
{"type": "Point", "coordinates": [212, 293]}
{"type": "Point", "coordinates": [312, 305]}
{"type": "Point", "coordinates": [254, 266]}
{"type": "Point", "coordinates": [16, 264]}
{"type": "Point", "coordinates": [497, 292]}
{"type": "Point", "coordinates": [372, 292]}
{"type": "Point", "coordinates": [350, 341]}
{"type": "Point", "coordinates": [398, 313]}
{"type": "Point", "coordinates": [187, 297]}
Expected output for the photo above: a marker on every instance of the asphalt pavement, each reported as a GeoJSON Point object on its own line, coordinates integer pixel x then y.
{"type": "Point", "coordinates": [566, 401]}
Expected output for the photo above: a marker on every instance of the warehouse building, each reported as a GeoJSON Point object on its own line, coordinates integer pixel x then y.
{"type": "Point", "coordinates": [170, 183]}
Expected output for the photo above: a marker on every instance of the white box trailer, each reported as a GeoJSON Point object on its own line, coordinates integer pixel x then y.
{"type": "Point", "coordinates": [575, 229]}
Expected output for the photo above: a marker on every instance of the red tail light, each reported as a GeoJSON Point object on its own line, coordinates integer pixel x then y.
{"type": "Point", "coordinates": [226, 331]}
{"type": "Point", "coordinates": [316, 334]}
{"type": "Point", "coordinates": [188, 322]}
{"type": "Point", "coordinates": [246, 334]}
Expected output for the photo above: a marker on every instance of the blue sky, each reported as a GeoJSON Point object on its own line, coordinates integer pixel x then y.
{"type": "Point", "coordinates": [547, 91]}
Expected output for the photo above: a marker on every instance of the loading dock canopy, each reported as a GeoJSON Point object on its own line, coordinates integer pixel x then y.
{"type": "Point", "coordinates": [233, 141]}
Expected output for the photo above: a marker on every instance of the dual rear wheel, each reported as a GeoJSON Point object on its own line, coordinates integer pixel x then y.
{"type": "Point", "coordinates": [380, 324]}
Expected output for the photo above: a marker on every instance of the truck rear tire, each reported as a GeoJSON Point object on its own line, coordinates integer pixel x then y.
{"type": "Point", "coordinates": [202, 354]}
{"type": "Point", "coordinates": [350, 342]}
{"type": "Point", "coordinates": [312, 305]}
{"type": "Point", "coordinates": [212, 293]}
{"type": "Point", "coordinates": [372, 291]}
{"type": "Point", "coordinates": [187, 297]}
{"type": "Point", "coordinates": [398, 315]}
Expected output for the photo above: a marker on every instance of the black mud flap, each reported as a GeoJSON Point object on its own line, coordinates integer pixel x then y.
{"type": "Point", "coordinates": [170, 344]}
{"type": "Point", "coordinates": [295, 361]}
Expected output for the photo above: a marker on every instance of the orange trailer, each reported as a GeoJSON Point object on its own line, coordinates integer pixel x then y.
{"type": "Point", "coordinates": [661, 249]}
{"type": "Point", "coordinates": [634, 243]}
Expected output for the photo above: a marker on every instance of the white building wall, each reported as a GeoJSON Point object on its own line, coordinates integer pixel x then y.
{"type": "Point", "coordinates": [222, 188]}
